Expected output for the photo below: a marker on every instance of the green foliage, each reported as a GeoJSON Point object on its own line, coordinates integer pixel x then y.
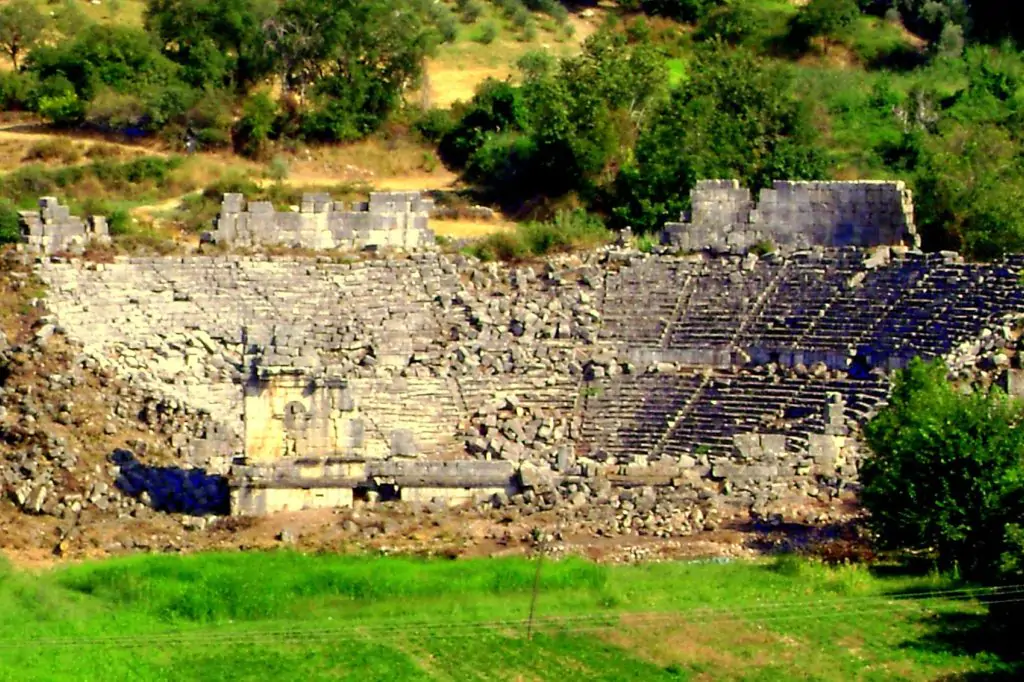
{"type": "Point", "coordinates": [824, 18]}
{"type": "Point", "coordinates": [568, 231]}
{"type": "Point", "coordinates": [734, 22]}
{"type": "Point", "coordinates": [487, 33]}
{"type": "Point", "coordinates": [218, 43]}
{"type": "Point", "coordinates": [251, 134]}
{"type": "Point", "coordinates": [17, 91]}
{"type": "Point", "coordinates": [681, 10]}
{"type": "Point", "coordinates": [10, 224]}
{"type": "Point", "coordinates": [354, 58]}
{"type": "Point", "coordinates": [433, 125]}
{"type": "Point", "coordinates": [563, 127]}
{"type": "Point", "coordinates": [736, 117]}
{"type": "Point", "coordinates": [123, 59]}
{"type": "Point", "coordinates": [62, 108]}
{"type": "Point", "coordinates": [21, 28]}
{"type": "Point", "coordinates": [947, 473]}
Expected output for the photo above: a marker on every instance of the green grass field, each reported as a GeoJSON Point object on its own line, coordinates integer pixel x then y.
{"type": "Point", "coordinates": [287, 616]}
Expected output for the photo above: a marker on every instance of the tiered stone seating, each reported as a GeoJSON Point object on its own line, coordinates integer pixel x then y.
{"type": "Point", "coordinates": [810, 282]}
{"type": "Point", "coordinates": [641, 300]}
{"type": "Point", "coordinates": [629, 416]}
{"type": "Point", "coordinates": [857, 310]}
{"type": "Point", "coordinates": [716, 308]}
{"type": "Point", "coordinates": [549, 395]}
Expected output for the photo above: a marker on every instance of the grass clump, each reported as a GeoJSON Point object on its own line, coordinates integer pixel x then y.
{"type": "Point", "coordinates": [568, 231]}
{"type": "Point", "coordinates": [53, 151]}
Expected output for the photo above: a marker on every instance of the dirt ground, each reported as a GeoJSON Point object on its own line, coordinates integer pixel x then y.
{"type": "Point", "coordinates": [39, 542]}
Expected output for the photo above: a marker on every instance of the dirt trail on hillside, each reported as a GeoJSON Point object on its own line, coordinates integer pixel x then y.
{"type": "Point", "coordinates": [35, 133]}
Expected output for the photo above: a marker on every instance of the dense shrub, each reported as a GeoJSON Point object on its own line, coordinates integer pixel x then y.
{"type": "Point", "coordinates": [564, 127]}
{"type": "Point", "coordinates": [10, 224]}
{"type": "Point", "coordinates": [251, 134]}
{"type": "Point", "coordinates": [733, 22]}
{"type": "Point", "coordinates": [827, 18]}
{"type": "Point", "coordinates": [17, 91]}
{"type": "Point", "coordinates": [568, 231]}
{"type": "Point", "coordinates": [682, 10]}
{"type": "Point", "coordinates": [947, 474]}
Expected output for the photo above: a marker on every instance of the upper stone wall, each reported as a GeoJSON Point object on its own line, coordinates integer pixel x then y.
{"type": "Point", "coordinates": [52, 229]}
{"type": "Point", "coordinates": [395, 219]}
{"type": "Point", "coordinates": [725, 218]}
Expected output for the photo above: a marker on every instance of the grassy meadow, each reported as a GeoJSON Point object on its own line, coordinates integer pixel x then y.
{"type": "Point", "coordinates": [285, 615]}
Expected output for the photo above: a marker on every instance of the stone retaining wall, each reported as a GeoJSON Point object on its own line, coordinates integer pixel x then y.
{"type": "Point", "coordinates": [52, 229]}
{"type": "Point", "coordinates": [725, 218]}
{"type": "Point", "coordinates": [390, 219]}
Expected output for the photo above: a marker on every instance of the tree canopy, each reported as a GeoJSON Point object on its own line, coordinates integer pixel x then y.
{"type": "Point", "coordinates": [947, 473]}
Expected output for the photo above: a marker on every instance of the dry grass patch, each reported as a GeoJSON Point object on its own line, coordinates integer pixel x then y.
{"type": "Point", "coordinates": [470, 229]}
{"type": "Point", "coordinates": [719, 647]}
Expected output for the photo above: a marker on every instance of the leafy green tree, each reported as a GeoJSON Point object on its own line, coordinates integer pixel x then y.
{"type": "Point", "coordinates": [21, 27]}
{"type": "Point", "coordinates": [349, 61]}
{"type": "Point", "coordinates": [218, 43]}
{"type": "Point", "coordinates": [733, 22]}
{"type": "Point", "coordinates": [120, 58]}
{"type": "Point", "coordinates": [567, 125]}
{"type": "Point", "coordinates": [497, 107]}
{"type": "Point", "coordinates": [947, 474]}
{"type": "Point", "coordinates": [737, 117]}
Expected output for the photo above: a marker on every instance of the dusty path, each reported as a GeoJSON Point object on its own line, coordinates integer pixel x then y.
{"type": "Point", "coordinates": [36, 133]}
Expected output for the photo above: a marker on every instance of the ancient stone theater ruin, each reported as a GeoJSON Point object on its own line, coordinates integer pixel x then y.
{"type": "Point", "coordinates": [710, 378]}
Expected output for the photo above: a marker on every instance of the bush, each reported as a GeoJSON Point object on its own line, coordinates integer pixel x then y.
{"type": "Point", "coordinates": [119, 222]}
{"type": "Point", "coordinates": [947, 473]}
{"type": "Point", "coordinates": [470, 11]}
{"type": "Point", "coordinates": [570, 230]}
{"type": "Point", "coordinates": [734, 23]}
{"type": "Point", "coordinates": [16, 91]}
{"type": "Point", "coordinates": [114, 111]}
{"type": "Point", "coordinates": [682, 10]}
{"type": "Point", "coordinates": [10, 224]}
{"type": "Point", "coordinates": [488, 32]}
{"type": "Point", "coordinates": [53, 150]}
{"type": "Point", "coordinates": [822, 18]}
{"type": "Point", "coordinates": [433, 124]}
{"type": "Point", "coordinates": [62, 109]}
{"type": "Point", "coordinates": [251, 135]}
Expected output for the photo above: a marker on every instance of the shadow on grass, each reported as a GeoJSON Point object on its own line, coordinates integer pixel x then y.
{"type": "Point", "coordinates": [993, 637]}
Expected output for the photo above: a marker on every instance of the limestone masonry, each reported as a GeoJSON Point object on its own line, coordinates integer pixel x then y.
{"type": "Point", "coordinates": [699, 385]}
{"type": "Point", "coordinates": [52, 229]}
{"type": "Point", "coordinates": [392, 219]}
{"type": "Point", "coordinates": [725, 218]}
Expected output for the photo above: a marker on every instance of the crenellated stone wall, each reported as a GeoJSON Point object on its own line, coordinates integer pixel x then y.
{"type": "Point", "coordinates": [390, 219]}
{"type": "Point", "coordinates": [52, 229]}
{"type": "Point", "coordinates": [725, 218]}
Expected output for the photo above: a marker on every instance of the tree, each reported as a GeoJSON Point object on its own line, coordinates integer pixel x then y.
{"type": "Point", "coordinates": [354, 59]}
{"type": "Point", "coordinates": [123, 59]}
{"type": "Point", "coordinates": [21, 27]}
{"type": "Point", "coordinates": [947, 473]}
{"type": "Point", "coordinates": [218, 43]}
{"type": "Point", "coordinates": [828, 18]}
{"type": "Point", "coordinates": [736, 117]}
